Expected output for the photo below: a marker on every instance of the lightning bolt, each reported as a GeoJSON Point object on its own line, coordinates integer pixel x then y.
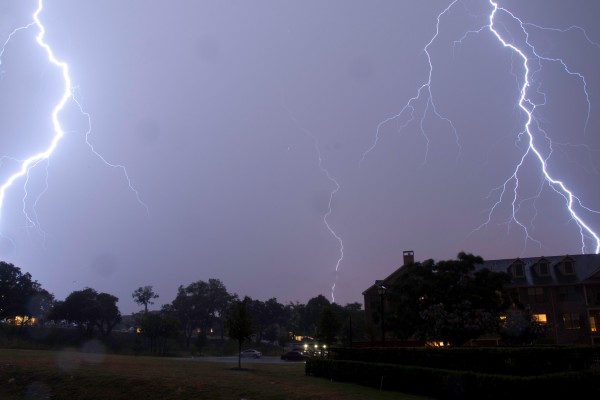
{"type": "Point", "coordinates": [332, 193]}
{"type": "Point", "coordinates": [424, 94]}
{"type": "Point", "coordinates": [27, 165]}
{"type": "Point", "coordinates": [532, 133]}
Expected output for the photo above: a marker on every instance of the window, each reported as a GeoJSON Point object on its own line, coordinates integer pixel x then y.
{"type": "Point", "coordinates": [541, 318]}
{"type": "Point", "coordinates": [535, 295]}
{"type": "Point", "coordinates": [568, 267]}
{"type": "Point", "coordinates": [542, 268]}
{"type": "Point", "coordinates": [517, 270]}
{"type": "Point", "coordinates": [571, 321]}
{"type": "Point", "coordinates": [593, 325]}
{"type": "Point", "coordinates": [567, 293]}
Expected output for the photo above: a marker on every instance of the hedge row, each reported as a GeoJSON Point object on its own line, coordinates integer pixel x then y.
{"type": "Point", "coordinates": [518, 361]}
{"type": "Point", "coordinates": [450, 384]}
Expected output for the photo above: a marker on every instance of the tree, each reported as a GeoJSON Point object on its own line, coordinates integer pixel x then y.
{"type": "Point", "coordinates": [519, 327]}
{"type": "Point", "coordinates": [199, 305]}
{"type": "Point", "coordinates": [144, 296]}
{"type": "Point", "coordinates": [89, 309]}
{"type": "Point", "coordinates": [447, 301]}
{"type": "Point", "coordinates": [311, 315]}
{"type": "Point", "coordinates": [219, 302]}
{"type": "Point", "coordinates": [21, 296]}
{"type": "Point", "coordinates": [78, 308]}
{"type": "Point", "coordinates": [107, 313]}
{"type": "Point", "coordinates": [294, 312]}
{"type": "Point", "coordinates": [329, 326]}
{"type": "Point", "coordinates": [267, 316]}
{"type": "Point", "coordinates": [352, 318]}
{"type": "Point", "coordinates": [191, 307]}
{"type": "Point", "coordinates": [158, 328]}
{"type": "Point", "coordinates": [239, 325]}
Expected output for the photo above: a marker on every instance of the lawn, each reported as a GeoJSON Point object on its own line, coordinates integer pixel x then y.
{"type": "Point", "coordinates": [42, 374]}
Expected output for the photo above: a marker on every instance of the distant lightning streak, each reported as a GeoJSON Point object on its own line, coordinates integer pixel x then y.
{"type": "Point", "coordinates": [58, 133]}
{"type": "Point", "coordinates": [332, 193]}
{"type": "Point", "coordinates": [423, 93]}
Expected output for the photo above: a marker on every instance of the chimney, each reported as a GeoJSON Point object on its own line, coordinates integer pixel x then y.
{"type": "Point", "coordinates": [409, 257]}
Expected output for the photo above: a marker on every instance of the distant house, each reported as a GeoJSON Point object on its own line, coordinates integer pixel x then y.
{"type": "Point", "coordinates": [561, 291]}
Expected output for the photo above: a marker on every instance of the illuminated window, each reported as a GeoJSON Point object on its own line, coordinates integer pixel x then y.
{"type": "Point", "coordinates": [593, 326]}
{"type": "Point", "coordinates": [535, 294]}
{"type": "Point", "coordinates": [571, 321]}
{"type": "Point", "coordinates": [541, 318]}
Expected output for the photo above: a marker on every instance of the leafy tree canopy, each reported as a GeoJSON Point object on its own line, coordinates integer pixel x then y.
{"type": "Point", "coordinates": [20, 295]}
{"type": "Point", "coordinates": [89, 309]}
{"type": "Point", "coordinates": [239, 324]}
{"type": "Point", "coordinates": [448, 301]}
{"type": "Point", "coordinates": [144, 296]}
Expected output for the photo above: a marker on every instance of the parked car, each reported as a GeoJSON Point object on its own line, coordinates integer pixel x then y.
{"type": "Point", "coordinates": [293, 356]}
{"type": "Point", "coordinates": [251, 353]}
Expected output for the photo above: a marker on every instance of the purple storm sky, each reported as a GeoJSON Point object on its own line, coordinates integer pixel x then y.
{"type": "Point", "coordinates": [242, 125]}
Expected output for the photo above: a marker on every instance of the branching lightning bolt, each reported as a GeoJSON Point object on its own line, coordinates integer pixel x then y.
{"type": "Point", "coordinates": [573, 204]}
{"type": "Point", "coordinates": [26, 166]}
{"type": "Point", "coordinates": [423, 93]}
{"type": "Point", "coordinates": [332, 193]}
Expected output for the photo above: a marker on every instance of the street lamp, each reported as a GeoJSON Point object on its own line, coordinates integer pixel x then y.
{"type": "Point", "coordinates": [381, 290]}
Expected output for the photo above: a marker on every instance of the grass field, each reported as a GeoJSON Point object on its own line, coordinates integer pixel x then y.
{"type": "Point", "coordinates": [40, 374]}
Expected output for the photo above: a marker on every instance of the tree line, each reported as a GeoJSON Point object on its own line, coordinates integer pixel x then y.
{"type": "Point", "coordinates": [449, 301]}
{"type": "Point", "coordinates": [200, 309]}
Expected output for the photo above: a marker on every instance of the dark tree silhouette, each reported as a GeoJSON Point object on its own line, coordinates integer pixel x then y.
{"type": "Point", "coordinates": [144, 296]}
{"type": "Point", "coordinates": [21, 296]}
{"type": "Point", "coordinates": [239, 325]}
{"type": "Point", "coordinates": [447, 301]}
{"type": "Point", "coordinates": [158, 328]}
{"type": "Point", "coordinates": [329, 326]}
{"type": "Point", "coordinates": [89, 309]}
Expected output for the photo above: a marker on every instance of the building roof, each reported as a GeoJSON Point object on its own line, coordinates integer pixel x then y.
{"type": "Point", "coordinates": [389, 279]}
{"type": "Point", "coordinates": [586, 267]}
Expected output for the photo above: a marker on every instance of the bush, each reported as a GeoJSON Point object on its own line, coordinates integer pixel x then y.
{"type": "Point", "coordinates": [449, 384]}
{"type": "Point", "coordinates": [519, 361]}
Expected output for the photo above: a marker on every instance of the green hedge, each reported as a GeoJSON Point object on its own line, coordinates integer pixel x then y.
{"type": "Point", "coordinates": [451, 384]}
{"type": "Point", "coordinates": [519, 361]}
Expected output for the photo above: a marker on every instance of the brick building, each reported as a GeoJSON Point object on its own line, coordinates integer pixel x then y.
{"type": "Point", "coordinates": [561, 291]}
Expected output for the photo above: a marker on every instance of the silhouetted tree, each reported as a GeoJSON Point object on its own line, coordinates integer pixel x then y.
{"type": "Point", "coordinates": [311, 315]}
{"type": "Point", "coordinates": [219, 302]}
{"type": "Point", "coordinates": [294, 312]}
{"type": "Point", "coordinates": [239, 325]}
{"type": "Point", "coordinates": [267, 316]}
{"type": "Point", "coordinates": [352, 318]}
{"type": "Point", "coordinates": [108, 314]}
{"type": "Point", "coordinates": [519, 327]}
{"type": "Point", "coordinates": [22, 296]}
{"type": "Point", "coordinates": [89, 309]}
{"type": "Point", "coordinates": [144, 296]}
{"type": "Point", "coordinates": [158, 328]}
{"type": "Point", "coordinates": [447, 301]}
{"type": "Point", "coordinates": [329, 326]}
